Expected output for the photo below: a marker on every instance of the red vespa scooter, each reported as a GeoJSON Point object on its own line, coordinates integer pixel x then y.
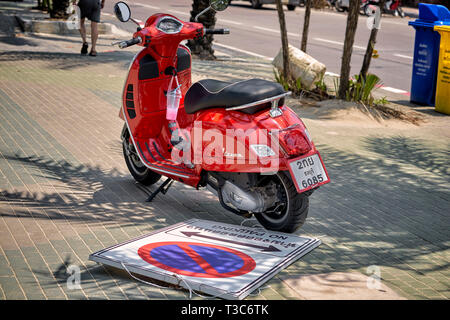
{"type": "Point", "coordinates": [237, 139]}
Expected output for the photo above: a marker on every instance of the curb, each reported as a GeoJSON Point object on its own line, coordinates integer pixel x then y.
{"type": "Point", "coordinates": [65, 27]}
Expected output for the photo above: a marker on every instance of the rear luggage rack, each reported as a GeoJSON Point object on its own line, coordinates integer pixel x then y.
{"type": "Point", "coordinates": [252, 104]}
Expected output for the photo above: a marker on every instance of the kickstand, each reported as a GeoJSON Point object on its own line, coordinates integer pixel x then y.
{"type": "Point", "coordinates": [161, 189]}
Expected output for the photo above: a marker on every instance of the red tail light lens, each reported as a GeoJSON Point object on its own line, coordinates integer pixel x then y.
{"type": "Point", "coordinates": [294, 142]}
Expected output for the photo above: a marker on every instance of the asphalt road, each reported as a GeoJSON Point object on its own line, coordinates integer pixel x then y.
{"type": "Point", "coordinates": [257, 32]}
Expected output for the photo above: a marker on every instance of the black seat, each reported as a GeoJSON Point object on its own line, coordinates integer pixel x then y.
{"type": "Point", "coordinates": [209, 93]}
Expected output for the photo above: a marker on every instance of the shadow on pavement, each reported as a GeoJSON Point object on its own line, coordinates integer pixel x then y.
{"type": "Point", "coordinates": [71, 39]}
{"type": "Point", "coordinates": [95, 278]}
{"type": "Point", "coordinates": [67, 61]}
{"type": "Point", "coordinates": [18, 41]}
{"type": "Point", "coordinates": [94, 195]}
{"type": "Point", "coordinates": [88, 190]}
{"type": "Point", "coordinates": [374, 211]}
{"type": "Point", "coordinates": [414, 152]}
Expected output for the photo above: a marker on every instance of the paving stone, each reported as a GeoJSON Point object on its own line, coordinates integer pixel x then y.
{"type": "Point", "coordinates": [5, 270]}
{"type": "Point", "coordinates": [11, 288]}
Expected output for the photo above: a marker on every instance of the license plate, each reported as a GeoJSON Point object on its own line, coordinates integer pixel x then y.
{"type": "Point", "coordinates": [308, 172]}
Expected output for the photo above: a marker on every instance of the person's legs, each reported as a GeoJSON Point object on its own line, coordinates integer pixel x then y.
{"type": "Point", "coordinates": [84, 48]}
{"type": "Point", "coordinates": [95, 20]}
{"type": "Point", "coordinates": [94, 35]}
{"type": "Point", "coordinates": [83, 30]}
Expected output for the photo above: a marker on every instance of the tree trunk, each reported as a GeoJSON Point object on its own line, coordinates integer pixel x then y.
{"type": "Point", "coordinates": [203, 47]}
{"type": "Point", "coordinates": [284, 41]}
{"type": "Point", "coordinates": [306, 25]}
{"type": "Point", "coordinates": [352, 23]}
{"type": "Point", "coordinates": [372, 41]}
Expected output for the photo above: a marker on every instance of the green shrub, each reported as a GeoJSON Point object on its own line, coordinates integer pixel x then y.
{"type": "Point", "coordinates": [320, 92]}
{"type": "Point", "coordinates": [382, 101]}
{"type": "Point", "coordinates": [360, 88]}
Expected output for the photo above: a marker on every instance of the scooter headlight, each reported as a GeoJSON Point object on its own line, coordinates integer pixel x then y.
{"type": "Point", "coordinates": [262, 150]}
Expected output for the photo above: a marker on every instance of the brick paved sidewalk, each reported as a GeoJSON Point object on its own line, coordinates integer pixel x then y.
{"type": "Point", "coordinates": [65, 191]}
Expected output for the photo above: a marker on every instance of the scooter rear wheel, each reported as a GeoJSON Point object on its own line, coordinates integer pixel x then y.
{"type": "Point", "coordinates": [294, 212]}
{"type": "Point", "coordinates": [138, 170]}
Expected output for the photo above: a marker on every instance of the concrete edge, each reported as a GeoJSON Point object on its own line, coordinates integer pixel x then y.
{"type": "Point", "coordinates": [68, 27]}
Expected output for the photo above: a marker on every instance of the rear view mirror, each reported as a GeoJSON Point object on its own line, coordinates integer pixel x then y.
{"type": "Point", "coordinates": [219, 5]}
{"type": "Point", "coordinates": [216, 5]}
{"type": "Point", "coordinates": [122, 11]}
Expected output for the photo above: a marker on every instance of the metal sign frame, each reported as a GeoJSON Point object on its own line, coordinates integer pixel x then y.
{"type": "Point", "coordinates": [198, 284]}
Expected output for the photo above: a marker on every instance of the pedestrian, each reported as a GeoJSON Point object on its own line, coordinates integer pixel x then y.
{"type": "Point", "coordinates": [90, 9]}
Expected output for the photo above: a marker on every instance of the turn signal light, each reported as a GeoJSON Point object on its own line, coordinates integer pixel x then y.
{"type": "Point", "coordinates": [294, 142]}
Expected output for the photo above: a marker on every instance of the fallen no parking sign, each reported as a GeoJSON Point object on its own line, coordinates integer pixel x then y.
{"type": "Point", "coordinates": [220, 259]}
{"type": "Point", "coordinates": [197, 259]}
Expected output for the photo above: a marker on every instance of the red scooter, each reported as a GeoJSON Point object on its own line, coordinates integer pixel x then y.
{"type": "Point", "coordinates": [237, 139]}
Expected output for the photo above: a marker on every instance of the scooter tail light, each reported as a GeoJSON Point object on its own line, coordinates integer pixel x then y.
{"type": "Point", "coordinates": [294, 142]}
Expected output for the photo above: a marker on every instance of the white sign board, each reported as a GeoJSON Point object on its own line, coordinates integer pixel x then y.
{"type": "Point", "coordinates": [223, 260]}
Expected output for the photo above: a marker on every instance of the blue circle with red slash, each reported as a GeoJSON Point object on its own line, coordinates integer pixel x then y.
{"type": "Point", "coordinates": [197, 259]}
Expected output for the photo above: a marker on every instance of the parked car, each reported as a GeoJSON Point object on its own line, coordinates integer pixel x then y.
{"type": "Point", "coordinates": [290, 4]}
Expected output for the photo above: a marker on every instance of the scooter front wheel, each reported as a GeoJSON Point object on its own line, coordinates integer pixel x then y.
{"type": "Point", "coordinates": [138, 170]}
{"type": "Point", "coordinates": [292, 214]}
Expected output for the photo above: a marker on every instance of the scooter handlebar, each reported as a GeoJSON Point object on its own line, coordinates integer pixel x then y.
{"type": "Point", "coordinates": [128, 43]}
{"type": "Point", "coordinates": [217, 31]}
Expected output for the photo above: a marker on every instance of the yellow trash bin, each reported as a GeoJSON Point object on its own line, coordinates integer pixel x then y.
{"type": "Point", "coordinates": [443, 79]}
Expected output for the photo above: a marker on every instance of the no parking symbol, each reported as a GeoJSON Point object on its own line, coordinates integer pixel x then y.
{"type": "Point", "coordinates": [197, 259]}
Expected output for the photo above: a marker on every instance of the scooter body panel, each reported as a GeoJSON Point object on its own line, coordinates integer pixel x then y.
{"type": "Point", "coordinates": [144, 103]}
{"type": "Point", "coordinates": [226, 138]}
{"type": "Point", "coordinates": [144, 95]}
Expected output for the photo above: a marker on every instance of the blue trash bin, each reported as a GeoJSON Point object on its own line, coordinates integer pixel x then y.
{"type": "Point", "coordinates": [426, 52]}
